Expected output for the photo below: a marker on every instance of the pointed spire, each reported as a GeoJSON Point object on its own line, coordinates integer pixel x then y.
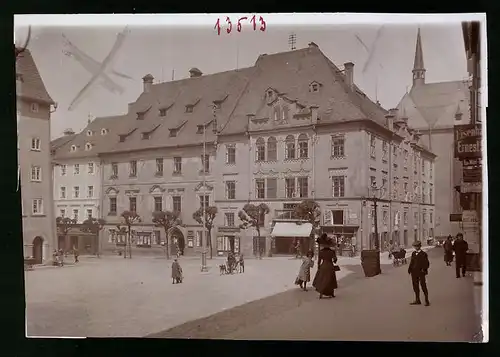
{"type": "Point", "coordinates": [458, 113]}
{"type": "Point", "coordinates": [418, 63]}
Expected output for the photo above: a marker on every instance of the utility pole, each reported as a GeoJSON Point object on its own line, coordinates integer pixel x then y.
{"type": "Point", "coordinates": [204, 236]}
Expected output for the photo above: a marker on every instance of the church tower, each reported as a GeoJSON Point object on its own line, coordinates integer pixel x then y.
{"type": "Point", "coordinates": [418, 64]}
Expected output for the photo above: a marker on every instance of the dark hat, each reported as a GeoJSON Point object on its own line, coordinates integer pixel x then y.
{"type": "Point", "coordinates": [310, 254]}
{"type": "Point", "coordinates": [324, 240]}
{"type": "Point", "coordinates": [417, 243]}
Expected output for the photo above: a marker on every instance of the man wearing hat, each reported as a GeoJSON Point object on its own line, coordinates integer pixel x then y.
{"type": "Point", "coordinates": [460, 247]}
{"type": "Point", "coordinates": [418, 268]}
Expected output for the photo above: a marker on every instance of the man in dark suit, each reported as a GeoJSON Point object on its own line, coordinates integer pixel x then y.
{"type": "Point", "coordinates": [418, 268]}
{"type": "Point", "coordinates": [460, 247]}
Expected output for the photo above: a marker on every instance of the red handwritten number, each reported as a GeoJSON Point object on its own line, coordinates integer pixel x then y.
{"type": "Point", "coordinates": [262, 24]}
{"type": "Point", "coordinates": [252, 20]}
{"type": "Point", "coordinates": [217, 27]}
{"type": "Point", "coordinates": [239, 23]}
{"type": "Point", "coordinates": [229, 25]}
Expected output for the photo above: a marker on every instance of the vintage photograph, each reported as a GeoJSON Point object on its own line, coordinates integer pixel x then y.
{"type": "Point", "coordinates": [254, 177]}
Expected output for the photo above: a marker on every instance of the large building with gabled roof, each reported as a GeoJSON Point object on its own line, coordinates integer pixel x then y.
{"type": "Point", "coordinates": [292, 127]}
{"type": "Point", "coordinates": [434, 109]}
{"type": "Point", "coordinates": [34, 107]}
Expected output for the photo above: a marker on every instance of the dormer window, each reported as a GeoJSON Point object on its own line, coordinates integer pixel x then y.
{"type": "Point", "coordinates": [145, 136]}
{"type": "Point", "coordinates": [73, 148]}
{"type": "Point", "coordinates": [140, 116]}
{"type": "Point", "coordinates": [88, 146]}
{"type": "Point", "coordinates": [89, 133]}
{"type": "Point", "coordinates": [104, 131]}
{"type": "Point", "coordinates": [173, 133]}
{"type": "Point", "coordinates": [200, 129]}
{"type": "Point", "coordinates": [189, 108]}
{"type": "Point", "coordinates": [34, 107]}
{"type": "Point", "coordinates": [163, 112]}
{"type": "Point", "coordinates": [314, 87]}
{"type": "Point", "coordinates": [122, 138]}
{"type": "Point", "coordinates": [270, 94]}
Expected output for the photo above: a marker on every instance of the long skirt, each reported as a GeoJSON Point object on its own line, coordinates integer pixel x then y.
{"type": "Point", "coordinates": [325, 280]}
{"type": "Point", "coordinates": [448, 256]}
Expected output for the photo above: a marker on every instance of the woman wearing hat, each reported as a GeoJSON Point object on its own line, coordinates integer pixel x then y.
{"type": "Point", "coordinates": [325, 280]}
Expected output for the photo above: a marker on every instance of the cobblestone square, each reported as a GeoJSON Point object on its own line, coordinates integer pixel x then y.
{"type": "Point", "coordinates": [116, 297]}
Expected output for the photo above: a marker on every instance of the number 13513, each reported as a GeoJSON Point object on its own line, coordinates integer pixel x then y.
{"type": "Point", "coordinates": [254, 22]}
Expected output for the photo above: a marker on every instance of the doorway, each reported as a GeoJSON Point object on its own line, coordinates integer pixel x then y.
{"type": "Point", "coordinates": [405, 237]}
{"type": "Point", "coordinates": [38, 250]}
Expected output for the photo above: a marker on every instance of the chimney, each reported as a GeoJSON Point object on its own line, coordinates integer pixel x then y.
{"type": "Point", "coordinates": [394, 112]}
{"type": "Point", "coordinates": [349, 73]}
{"type": "Point", "coordinates": [312, 44]}
{"type": "Point", "coordinates": [147, 81]}
{"type": "Point", "coordinates": [390, 121]}
{"type": "Point", "coordinates": [314, 113]}
{"type": "Point", "coordinates": [68, 132]}
{"type": "Point", "coordinates": [195, 72]}
{"type": "Point", "coordinates": [130, 105]}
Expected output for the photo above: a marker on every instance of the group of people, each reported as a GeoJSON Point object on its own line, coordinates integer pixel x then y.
{"type": "Point", "coordinates": [325, 280]}
{"type": "Point", "coordinates": [459, 248]}
{"type": "Point", "coordinates": [58, 256]}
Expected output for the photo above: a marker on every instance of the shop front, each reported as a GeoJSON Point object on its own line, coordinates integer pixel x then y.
{"type": "Point", "coordinates": [344, 236]}
{"type": "Point", "coordinates": [228, 240]}
{"type": "Point", "coordinates": [286, 234]}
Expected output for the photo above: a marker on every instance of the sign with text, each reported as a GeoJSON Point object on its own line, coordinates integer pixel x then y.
{"type": "Point", "coordinates": [467, 141]}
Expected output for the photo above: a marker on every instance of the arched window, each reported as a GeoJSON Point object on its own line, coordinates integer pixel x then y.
{"type": "Point", "coordinates": [73, 148]}
{"type": "Point", "coordinates": [272, 149]}
{"type": "Point", "coordinates": [260, 150]}
{"type": "Point", "coordinates": [303, 146]}
{"type": "Point", "coordinates": [290, 147]}
{"type": "Point", "coordinates": [88, 146]}
{"type": "Point", "coordinates": [89, 132]}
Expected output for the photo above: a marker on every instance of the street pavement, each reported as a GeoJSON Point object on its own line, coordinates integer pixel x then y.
{"type": "Point", "coordinates": [117, 297]}
{"type": "Point", "coordinates": [365, 309]}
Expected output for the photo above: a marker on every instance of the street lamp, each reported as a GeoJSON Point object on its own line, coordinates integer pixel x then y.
{"type": "Point", "coordinates": [375, 190]}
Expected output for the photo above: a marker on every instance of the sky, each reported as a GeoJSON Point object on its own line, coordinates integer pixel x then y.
{"type": "Point", "coordinates": [160, 50]}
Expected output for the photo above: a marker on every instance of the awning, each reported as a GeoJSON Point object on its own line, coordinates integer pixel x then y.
{"type": "Point", "coordinates": [291, 229]}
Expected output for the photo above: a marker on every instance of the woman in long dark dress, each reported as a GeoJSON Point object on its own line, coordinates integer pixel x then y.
{"type": "Point", "coordinates": [325, 280]}
{"type": "Point", "coordinates": [448, 251]}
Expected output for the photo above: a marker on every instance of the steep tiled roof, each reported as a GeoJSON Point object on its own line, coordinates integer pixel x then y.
{"type": "Point", "coordinates": [161, 111]}
{"type": "Point", "coordinates": [437, 103]}
{"type": "Point", "coordinates": [290, 74]}
{"type": "Point", "coordinates": [174, 97]}
{"type": "Point", "coordinates": [32, 85]}
{"type": "Point", "coordinates": [57, 143]}
{"type": "Point", "coordinates": [100, 143]}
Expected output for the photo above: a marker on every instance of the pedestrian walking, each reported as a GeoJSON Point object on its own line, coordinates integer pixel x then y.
{"type": "Point", "coordinates": [242, 263]}
{"type": "Point", "coordinates": [448, 250]}
{"type": "Point", "coordinates": [55, 259]}
{"type": "Point", "coordinates": [418, 269]}
{"type": "Point", "coordinates": [176, 272]}
{"type": "Point", "coordinates": [304, 275]}
{"type": "Point", "coordinates": [61, 257]}
{"type": "Point", "coordinates": [460, 247]}
{"type": "Point", "coordinates": [75, 254]}
{"type": "Point", "coordinates": [325, 280]}
{"type": "Point", "coordinates": [391, 248]}
{"type": "Point", "coordinates": [298, 249]}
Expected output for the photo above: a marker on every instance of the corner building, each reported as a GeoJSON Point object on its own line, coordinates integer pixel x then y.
{"type": "Point", "coordinates": [292, 127]}
{"type": "Point", "coordinates": [304, 130]}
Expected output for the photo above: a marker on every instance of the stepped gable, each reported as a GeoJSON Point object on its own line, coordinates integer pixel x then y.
{"type": "Point", "coordinates": [33, 86]}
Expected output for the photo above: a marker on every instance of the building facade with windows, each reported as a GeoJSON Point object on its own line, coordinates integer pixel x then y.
{"type": "Point", "coordinates": [434, 109]}
{"type": "Point", "coordinates": [290, 128]}
{"type": "Point", "coordinates": [35, 172]}
{"type": "Point", "coordinates": [304, 130]}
